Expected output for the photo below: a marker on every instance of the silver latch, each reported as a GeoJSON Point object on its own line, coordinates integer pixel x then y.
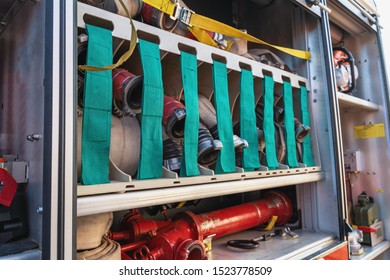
{"type": "Point", "coordinates": [183, 14]}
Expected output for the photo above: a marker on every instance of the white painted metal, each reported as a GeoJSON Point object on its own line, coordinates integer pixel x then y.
{"type": "Point", "coordinates": [88, 205]}
{"type": "Point", "coordinates": [349, 102]}
{"type": "Point", "coordinates": [128, 185]}
{"type": "Point", "coordinates": [69, 45]}
{"type": "Point", "coordinates": [56, 81]}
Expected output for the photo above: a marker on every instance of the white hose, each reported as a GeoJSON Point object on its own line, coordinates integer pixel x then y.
{"type": "Point", "coordinates": [207, 113]}
{"type": "Point", "coordinates": [124, 147]}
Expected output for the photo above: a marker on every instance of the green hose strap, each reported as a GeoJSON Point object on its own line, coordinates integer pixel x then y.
{"type": "Point", "coordinates": [307, 156]}
{"type": "Point", "coordinates": [151, 156]}
{"type": "Point", "coordinates": [289, 126]}
{"type": "Point", "coordinates": [189, 68]}
{"type": "Point", "coordinates": [248, 129]}
{"type": "Point", "coordinates": [268, 123]}
{"type": "Point", "coordinates": [226, 161]}
{"type": "Point", "coordinates": [96, 132]}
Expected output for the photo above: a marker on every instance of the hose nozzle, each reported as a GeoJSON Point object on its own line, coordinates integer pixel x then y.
{"type": "Point", "coordinates": [174, 117]}
{"type": "Point", "coordinates": [207, 147]}
{"type": "Point", "coordinates": [301, 131]}
{"type": "Point", "coordinates": [127, 91]}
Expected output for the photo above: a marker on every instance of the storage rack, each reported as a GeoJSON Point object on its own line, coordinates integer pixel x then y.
{"type": "Point", "coordinates": [125, 193]}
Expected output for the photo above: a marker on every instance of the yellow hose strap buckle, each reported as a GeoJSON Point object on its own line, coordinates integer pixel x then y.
{"type": "Point", "coordinates": [125, 56]}
{"type": "Point", "coordinates": [193, 20]}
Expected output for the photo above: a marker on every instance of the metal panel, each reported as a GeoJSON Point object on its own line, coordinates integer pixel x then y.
{"type": "Point", "coordinates": [312, 8]}
{"type": "Point", "coordinates": [61, 79]}
{"type": "Point", "coordinates": [370, 90]}
{"type": "Point", "coordinates": [349, 17]}
{"type": "Point", "coordinates": [22, 111]}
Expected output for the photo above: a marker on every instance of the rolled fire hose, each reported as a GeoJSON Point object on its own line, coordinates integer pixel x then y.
{"type": "Point", "coordinates": [172, 153]}
{"type": "Point", "coordinates": [173, 84]}
{"type": "Point", "coordinates": [279, 135]}
{"type": "Point", "coordinates": [127, 87]}
{"type": "Point", "coordinates": [207, 147]}
{"type": "Point", "coordinates": [108, 250]}
{"type": "Point", "coordinates": [261, 144]}
{"type": "Point", "coordinates": [82, 43]}
{"type": "Point", "coordinates": [301, 131]}
{"type": "Point", "coordinates": [114, 6]}
{"type": "Point", "coordinates": [125, 143]}
{"type": "Point", "coordinates": [280, 142]}
{"type": "Point", "coordinates": [265, 56]}
{"type": "Point", "coordinates": [208, 117]}
{"type": "Point", "coordinates": [207, 150]}
{"type": "Point", "coordinates": [173, 117]}
{"type": "Point", "coordinates": [91, 229]}
{"type": "Point", "coordinates": [155, 17]}
{"type": "Point", "coordinates": [127, 91]}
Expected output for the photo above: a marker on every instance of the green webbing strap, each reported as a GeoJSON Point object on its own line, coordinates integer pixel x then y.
{"type": "Point", "coordinates": [289, 126]}
{"type": "Point", "coordinates": [96, 131]}
{"type": "Point", "coordinates": [226, 161]}
{"type": "Point", "coordinates": [248, 129]}
{"type": "Point", "coordinates": [268, 123]}
{"type": "Point", "coordinates": [151, 156]}
{"type": "Point", "coordinates": [189, 74]}
{"type": "Point", "coordinates": [307, 156]}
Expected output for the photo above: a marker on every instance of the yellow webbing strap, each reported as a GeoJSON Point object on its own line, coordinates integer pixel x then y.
{"type": "Point", "coordinates": [271, 223]}
{"type": "Point", "coordinates": [202, 36]}
{"type": "Point", "coordinates": [125, 56]}
{"type": "Point", "coordinates": [197, 22]}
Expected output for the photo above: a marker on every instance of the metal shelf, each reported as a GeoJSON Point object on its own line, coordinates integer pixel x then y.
{"type": "Point", "coordinates": [88, 205]}
{"type": "Point", "coordinates": [277, 248]}
{"type": "Point", "coordinates": [122, 185]}
{"type": "Point", "coordinates": [349, 102]}
{"type": "Point", "coordinates": [372, 252]}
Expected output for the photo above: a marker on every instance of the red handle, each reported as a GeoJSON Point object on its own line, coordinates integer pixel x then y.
{"type": "Point", "coordinates": [9, 188]}
{"type": "Point", "coordinates": [367, 229]}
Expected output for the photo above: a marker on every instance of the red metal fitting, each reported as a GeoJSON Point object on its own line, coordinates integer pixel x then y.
{"type": "Point", "coordinates": [173, 117]}
{"type": "Point", "coordinates": [127, 90]}
{"type": "Point", "coordinates": [183, 237]}
{"type": "Point", "coordinates": [137, 227]}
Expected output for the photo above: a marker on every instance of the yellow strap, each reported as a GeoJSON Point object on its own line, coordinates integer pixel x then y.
{"type": "Point", "coordinates": [202, 36]}
{"type": "Point", "coordinates": [125, 56]}
{"type": "Point", "coordinates": [181, 204]}
{"type": "Point", "coordinates": [271, 223]}
{"type": "Point", "coordinates": [206, 23]}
